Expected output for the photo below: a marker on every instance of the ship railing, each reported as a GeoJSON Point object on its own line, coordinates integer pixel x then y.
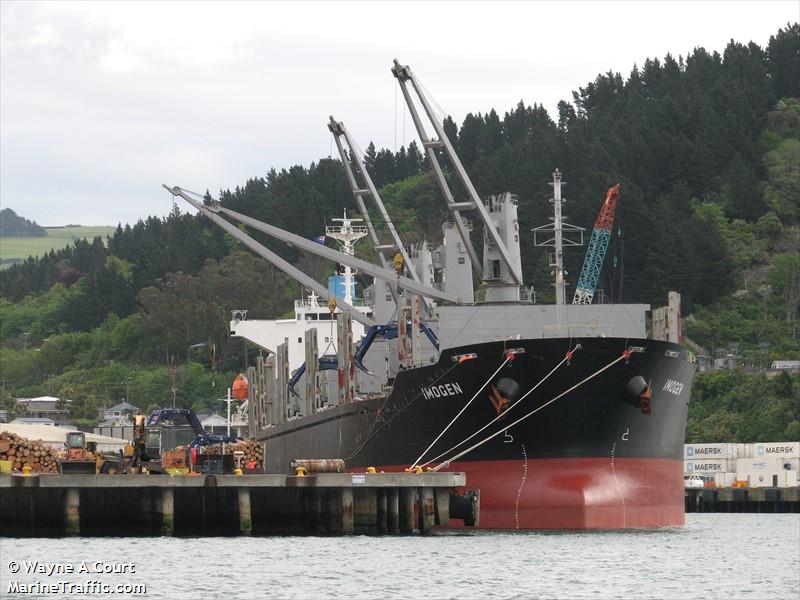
{"type": "Point", "coordinates": [307, 304]}
{"type": "Point", "coordinates": [590, 329]}
{"type": "Point", "coordinates": [331, 230]}
{"type": "Point", "coordinates": [527, 295]}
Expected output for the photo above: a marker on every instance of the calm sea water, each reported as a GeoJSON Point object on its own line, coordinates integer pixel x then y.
{"type": "Point", "coordinates": [714, 556]}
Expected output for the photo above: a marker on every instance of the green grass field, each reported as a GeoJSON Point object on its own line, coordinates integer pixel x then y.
{"type": "Point", "coordinates": [57, 237]}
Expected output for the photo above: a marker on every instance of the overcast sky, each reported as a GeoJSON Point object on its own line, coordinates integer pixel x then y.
{"type": "Point", "coordinates": [101, 103]}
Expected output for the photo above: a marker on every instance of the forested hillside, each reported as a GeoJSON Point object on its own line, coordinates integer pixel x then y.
{"type": "Point", "coordinates": [706, 148]}
{"type": "Point", "coordinates": [12, 225]}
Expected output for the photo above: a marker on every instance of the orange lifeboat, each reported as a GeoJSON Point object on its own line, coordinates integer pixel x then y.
{"type": "Point", "coordinates": [239, 387]}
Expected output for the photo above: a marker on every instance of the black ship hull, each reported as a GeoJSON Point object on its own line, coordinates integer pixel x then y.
{"type": "Point", "coordinates": [601, 445]}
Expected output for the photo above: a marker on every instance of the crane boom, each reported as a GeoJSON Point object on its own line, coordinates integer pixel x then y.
{"type": "Point", "coordinates": [596, 252]}
{"type": "Point", "coordinates": [264, 252]}
{"type": "Point", "coordinates": [313, 248]}
{"type": "Point", "coordinates": [404, 76]}
{"type": "Point", "coordinates": [353, 164]}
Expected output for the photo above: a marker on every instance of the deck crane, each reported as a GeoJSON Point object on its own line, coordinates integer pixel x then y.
{"type": "Point", "coordinates": [214, 211]}
{"type": "Point", "coordinates": [596, 252]}
{"type": "Point", "coordinates": [511, 276]}
{"type": "Point", "coordinates": [267, 254]}
{"type": "Point", "coordinates": [355, 170]}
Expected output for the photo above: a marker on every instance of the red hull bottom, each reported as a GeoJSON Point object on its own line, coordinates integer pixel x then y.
{"type": "Point", "coordinates": [577, 493]}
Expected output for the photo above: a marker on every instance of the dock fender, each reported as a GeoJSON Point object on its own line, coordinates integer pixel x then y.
{"type": "Point", "coordinates": [464, 507]}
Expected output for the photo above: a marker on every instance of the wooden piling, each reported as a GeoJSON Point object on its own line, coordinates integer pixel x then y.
{"type": "Point", "coordinates": [392, 510]}
{"type": "Point", "coordinates": [346, 503]}
{"type": "Point", "coordinates": [146, 508]}
{"type": "Point", "coordinates": [167, 511]}
{"type": "Point", "coordinates": [72, 511]}
{"type": "Point", "coordinates": [442, 506]}
{"type": "Point", "coordinates": [334, 508]}
{"type": "Point", "coordinates": [427, 514]}
{"type": "Point", "coordinates": [365, 510]}
{"type": "Point", "coordinates": [315, 510]}
{"type": "Point", "coordinates": [245, 515]}
{"type": "Point", "coordinates": [407, 497]}
{"type": "Point", "coordinates": [381, 516]}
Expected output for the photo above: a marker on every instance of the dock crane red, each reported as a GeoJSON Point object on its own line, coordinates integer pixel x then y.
{"type": "Point", "coordinates": [596, 253]}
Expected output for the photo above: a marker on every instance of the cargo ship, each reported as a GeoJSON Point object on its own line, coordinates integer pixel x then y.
{"type": "Point", "coordinates": [562, 416]}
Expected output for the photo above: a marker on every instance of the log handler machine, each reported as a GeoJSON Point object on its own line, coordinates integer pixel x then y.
{"type": "Point", "coordinates": [82, 457]}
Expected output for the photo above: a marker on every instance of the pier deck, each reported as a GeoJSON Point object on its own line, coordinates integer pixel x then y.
{"type": "Point", "coordinates": [265, 504]}
{"type": "Point", "coordinates": [743, 500]}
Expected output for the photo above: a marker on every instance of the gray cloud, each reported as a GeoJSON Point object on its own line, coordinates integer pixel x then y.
{"type": "Point", "coordinates": [102, 102]}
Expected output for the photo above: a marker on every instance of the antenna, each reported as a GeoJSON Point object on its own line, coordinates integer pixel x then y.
{"type": "Point", "coordinates": [557, 235]}
{"type": "Point", "coordinates": [347, 235]}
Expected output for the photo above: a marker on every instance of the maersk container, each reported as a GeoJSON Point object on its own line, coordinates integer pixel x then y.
{"type": "Point", "coordinates": [709, 465]}
{"type": "Point", "coordinates": [784, 449]}
{"type": "Point", "coordinates": [744, 450]}
{"type": "Point", "coordinates": [711, 451]}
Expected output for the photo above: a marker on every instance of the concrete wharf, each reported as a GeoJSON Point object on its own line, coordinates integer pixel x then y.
{"type": "Point", "coordinates": [259, 504]}
{"type": "Point", "coordinates": [742, 500]}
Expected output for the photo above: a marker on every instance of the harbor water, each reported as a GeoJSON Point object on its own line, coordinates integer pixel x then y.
{"type": "Point", "coordinates": [714, 556]}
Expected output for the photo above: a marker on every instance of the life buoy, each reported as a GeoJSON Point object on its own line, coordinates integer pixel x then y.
{"type": "Point", "coordinates": [239, 387]}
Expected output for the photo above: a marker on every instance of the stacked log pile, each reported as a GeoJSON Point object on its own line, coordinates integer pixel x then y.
{"type": "Point", "coordinates": [253, 451]}
{"type": "Point", "coordinates": [23, 452]}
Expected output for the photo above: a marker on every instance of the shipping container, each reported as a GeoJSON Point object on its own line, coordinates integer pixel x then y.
{"type": "Point", "coordinates": [782, 478]}
{"type": "Point", "coordinates": [716, 465]}
{"type": "Point", "coordinates": [785, 449]}
{"type": "Point", "coordinates": [756, 465]}
{"type": "Point", "coordinates": [744, 450]}
{"type": "Point", "coordinates": [712, 451]}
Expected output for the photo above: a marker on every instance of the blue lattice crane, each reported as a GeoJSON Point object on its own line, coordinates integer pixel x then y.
{"type": "Point", "coordinates": [596, 253]}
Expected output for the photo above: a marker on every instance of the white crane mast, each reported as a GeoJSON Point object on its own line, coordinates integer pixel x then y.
{"type": "Point", "coordinates": [355, 169]}
{"type": "Point", "coordinates": [404, 76]}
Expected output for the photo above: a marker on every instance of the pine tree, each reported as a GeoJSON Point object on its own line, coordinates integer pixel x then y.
{"type": "Point", "coordinates": [783, 61]}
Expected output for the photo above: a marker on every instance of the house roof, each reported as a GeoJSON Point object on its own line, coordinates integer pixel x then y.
{"type": "Point", "coordinates": [32, 421]}
{"type": "Point", "coordinates": [42, 399]}
{"type": "Point", "coordinates": [213, 420]}
{"type": "Point", "coordinates": [53, 434]}
{"type": "Point", "coordinates": [121, 406]}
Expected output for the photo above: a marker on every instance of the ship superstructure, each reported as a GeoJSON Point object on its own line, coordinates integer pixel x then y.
{"type": "Point", "coordinates": [312, 311]}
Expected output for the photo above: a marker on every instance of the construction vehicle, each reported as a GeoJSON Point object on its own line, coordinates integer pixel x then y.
{"type": "Point", "coordinates": [596, 253]}
{"type": "Point", "coordinates": [82, 457]}
{"type": "Point", "coordinates": [163, 442]}
{"type": "Point", "coordinates": [388, 331]}
{"type": "Point", "coordinates": [78, 458]}
{"type": "Point", "coordinates": [168, 428]}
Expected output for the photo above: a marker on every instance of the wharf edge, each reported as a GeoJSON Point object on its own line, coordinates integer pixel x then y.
{"type": "Point", "coordinates": [258, 504]}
